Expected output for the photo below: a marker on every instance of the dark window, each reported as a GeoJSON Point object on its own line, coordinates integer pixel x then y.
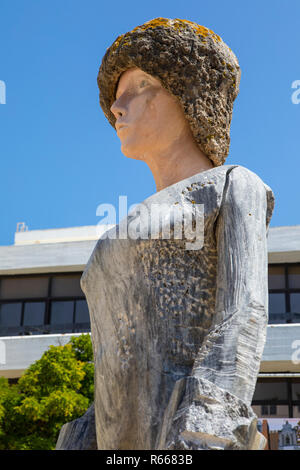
{"type": "Point", "coordinates": [39, 304]}
{"type": "Point", "coordinates": [294, 277]}
{"type": "Point", "coordinates": [296, 391]}
{"type": "Point", "coordinates": [276, 277]}
{"type": "Point", "coordinates": [34, 313]}
{"type": "Point", "coordinates": [23, 287]}
{"type": "Point", "coordinates": [10, 314]}
{"type": "Point", "coordinates": [284, 293]}
{"type": "Point", "coordinates": [270, 391]}
{"type": "Point", "coordinates": [277, 395]}
{"type": "Point", "coordinates": [66, 286]}
{"type": "Point", "coordinates": [277, 308]}
{"type": "Point", "coordinates": [295, 303]}
{"type": "Point", "coordinates": [62, 312]}
{"type": "Point", "coordinates": [82, 312]}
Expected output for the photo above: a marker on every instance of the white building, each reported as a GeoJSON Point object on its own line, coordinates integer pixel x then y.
{"type": "Point", "coordinates": [41, 303]}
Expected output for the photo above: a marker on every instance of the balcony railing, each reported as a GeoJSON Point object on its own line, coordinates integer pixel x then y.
{"type": "Point", "coordinates": [44, 329]}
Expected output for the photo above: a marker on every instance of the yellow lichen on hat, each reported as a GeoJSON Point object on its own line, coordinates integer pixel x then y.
{"type": "Point", "coordinates": [201, 30]}
{"type": "Point", "coordinates": [177, 23]}
{"type": "Point", "coordinates": [153, 24]}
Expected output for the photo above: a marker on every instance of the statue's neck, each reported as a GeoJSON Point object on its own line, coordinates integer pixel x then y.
{"type": "Point", "coordinates": [176, 163]}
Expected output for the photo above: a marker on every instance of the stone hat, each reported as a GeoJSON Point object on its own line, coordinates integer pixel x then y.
{"type": "Point", "coordinates": [192, 63]}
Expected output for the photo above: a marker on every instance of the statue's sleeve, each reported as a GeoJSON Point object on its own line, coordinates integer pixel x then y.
{"type": "Point", "coordinates": [212, 408]}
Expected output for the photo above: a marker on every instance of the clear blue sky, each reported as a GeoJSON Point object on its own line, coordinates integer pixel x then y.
{"type": "Point", "coordinates": [59, 156]}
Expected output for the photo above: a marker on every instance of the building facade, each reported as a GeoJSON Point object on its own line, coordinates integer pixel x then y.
{"type": "Point", "coordinates": [41, 303]}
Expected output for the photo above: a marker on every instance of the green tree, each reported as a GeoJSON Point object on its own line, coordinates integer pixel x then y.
{"type": "Point", "coordinates": [54, 390]}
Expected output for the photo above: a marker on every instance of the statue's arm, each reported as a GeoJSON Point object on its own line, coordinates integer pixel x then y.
{"type": "Point", "coordinates": [231, 355]}
{"type": "Point", "coordinates": [213, 405]}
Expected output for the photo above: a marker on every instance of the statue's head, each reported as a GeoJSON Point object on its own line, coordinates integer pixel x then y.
{"type": "Point", "coordinates": [184, 70]}
{"type": "Point", "coordinates": [148, 119]}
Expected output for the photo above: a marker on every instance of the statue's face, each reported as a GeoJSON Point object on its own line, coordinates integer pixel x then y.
{"type": "Point", "coordinates": [148, 117]}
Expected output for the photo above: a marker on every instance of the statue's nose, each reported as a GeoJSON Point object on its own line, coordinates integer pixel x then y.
{"type": "Point", "coordinates": [117, 109]}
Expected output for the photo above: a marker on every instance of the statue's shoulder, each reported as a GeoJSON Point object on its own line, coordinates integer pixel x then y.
{"type": "Point", "coordinates": [243, 181]}
{"type": "Point", "coordinates": [239, 173]}
{"type": "Point", "coordinates": [237, 178]}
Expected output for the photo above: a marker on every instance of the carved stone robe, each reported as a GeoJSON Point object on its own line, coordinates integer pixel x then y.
{"type": "Point", "coordinates": [178, 333]}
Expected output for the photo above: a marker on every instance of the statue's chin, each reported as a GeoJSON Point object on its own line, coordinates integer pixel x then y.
{"type": "Point", "coordinates": [131, 152]}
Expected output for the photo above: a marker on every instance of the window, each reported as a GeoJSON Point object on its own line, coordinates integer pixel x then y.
{"type": "Point", "coordinates": [294, 276]}
{"type": "Point", "coordinates": [277, 308]}
{"type": "Point", "coordinates": [295, 305]}
{"type": "Point", "coordinates": [10, 314]}
{"type": "Point", "coordinates": [277, 397]}
{"type": "Point", "coordinates": [34, 313]}
{"type": "Point", "coordinates": [271, 390]}
{"type": "Point", "coordinates": [82, 312]}
{"type": "Point", "coordinates": [296, 411]}
{"type": "Point", "coordinates": [61, 312]}
{"type": "Point", "coordinates": [23, 287]}
{"type": "Point", "coordinates": [296, 391]}
{"type": "Point", "coordinates": [267, 410]}
{"type": "Point", "coordinates": [276, 277]}
{"type": "Point", "coordinates": [284, 293]}
{"type": "Point", "coordinates": [47, 303]}
{"type": "Point", "coordinates": [66, 286]}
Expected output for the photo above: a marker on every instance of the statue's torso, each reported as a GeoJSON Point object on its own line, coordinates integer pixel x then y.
{"type": "Point", "coordinates": [151, 303]}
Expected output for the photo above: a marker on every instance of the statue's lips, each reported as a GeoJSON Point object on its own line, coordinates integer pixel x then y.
{"type": "Point", "coordinates": [121, 127]}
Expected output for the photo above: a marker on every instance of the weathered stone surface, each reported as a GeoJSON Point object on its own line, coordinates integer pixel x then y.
{"type": "Point", "coordinates": [201, 416]}
{"type": "Point", "coordinates": [178, 334]}
{"type": "Point", "coordinates": [79, 434]}
{"type": "Point", "coordinates": [192, 63]}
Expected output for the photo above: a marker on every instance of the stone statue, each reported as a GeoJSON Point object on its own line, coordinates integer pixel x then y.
{"type": "Point", "coordinates": [178, 329]}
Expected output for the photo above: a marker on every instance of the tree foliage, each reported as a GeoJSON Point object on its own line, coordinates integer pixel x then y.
{"type": "Point", "coordinates": [54, 390]}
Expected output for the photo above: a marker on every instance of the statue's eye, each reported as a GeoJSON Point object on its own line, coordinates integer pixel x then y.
{"type": "Point", "coordinates": [143, 83]}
